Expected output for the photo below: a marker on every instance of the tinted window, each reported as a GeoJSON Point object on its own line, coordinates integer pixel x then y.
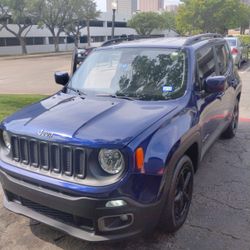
{"type": "Point", "coordinates": [206, 65]}
{"type": "Point", "coordinates": [222, 58]}
{"type": "Point", "coordinates": [144, 73]}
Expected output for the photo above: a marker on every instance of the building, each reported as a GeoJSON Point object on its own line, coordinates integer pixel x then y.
{"type": "Point", "coordinates": [124, 7]}
{"type": "Point", "coordinates": [41, 40]}
{"type": "Point", "coordinates": [171, 8]}
{"type": "Point", "coordinates": [151, 5]}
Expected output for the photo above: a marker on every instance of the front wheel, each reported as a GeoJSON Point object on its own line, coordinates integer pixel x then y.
{"type": "Point", "coordinates": [179, 198]}
{"type": "Point", "coordinates": [230, 132]}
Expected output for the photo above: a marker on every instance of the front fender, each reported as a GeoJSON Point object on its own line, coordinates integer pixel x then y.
{"type": "Point", "coordinates": [172, 136]}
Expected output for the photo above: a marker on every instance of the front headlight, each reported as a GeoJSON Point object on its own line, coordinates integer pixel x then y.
{"type": "Point", "coordinates": [111, 161]}
{"type": "Point", "coordinates": [6, 140]}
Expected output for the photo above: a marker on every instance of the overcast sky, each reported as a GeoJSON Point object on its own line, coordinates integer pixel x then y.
{"type": "Point", "coordinates": [101, 4]}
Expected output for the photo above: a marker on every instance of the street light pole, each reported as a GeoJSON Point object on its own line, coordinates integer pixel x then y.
{"type": "Point", "coordinates": [114, 8]}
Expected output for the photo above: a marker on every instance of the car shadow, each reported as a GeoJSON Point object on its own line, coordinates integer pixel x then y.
{"type": "Point", "coordinates": [67, 242]}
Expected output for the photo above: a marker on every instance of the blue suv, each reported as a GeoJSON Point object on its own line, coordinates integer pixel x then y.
{"type": "Point", "coordinates": [113, 154]}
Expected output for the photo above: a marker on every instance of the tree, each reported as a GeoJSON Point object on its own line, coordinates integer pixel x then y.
{"type": "Point", "coordinates": [89, 13]}
{"type": "Point", "coordinates": [169, 20]}
{"type": "Point", "coordinates": [244, 17]}
{"type": "Point", "coordinates": [145, 22]}
{"type": "Point", "coordinates": [53, 15]}
{"type": "Point", "coordinates": [83, 11]}
{"type": "Point", "coordinates": [196, 16]}
{"type": "Point", "coordinates": [18, 12]}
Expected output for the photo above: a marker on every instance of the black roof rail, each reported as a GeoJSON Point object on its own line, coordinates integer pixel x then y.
{"type": "Point", "coordinates": [128, 38]}
{"type": "Point", "coordinates": [194, 39]}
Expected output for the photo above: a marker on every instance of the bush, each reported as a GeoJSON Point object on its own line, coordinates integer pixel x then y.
{"type": "Point", "coordinates": [245, 39]}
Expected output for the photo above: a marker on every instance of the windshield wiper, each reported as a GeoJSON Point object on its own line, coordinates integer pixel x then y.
{"type": "Point", "coordinates": [79, 92]}
{"type": "Point", "coordinates": [116, 96]}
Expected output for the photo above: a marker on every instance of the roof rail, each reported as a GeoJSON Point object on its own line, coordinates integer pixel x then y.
{"type": "Point", "coordinates": [128, 38]}
{"type": "Point", "coordinates": [194, 39]}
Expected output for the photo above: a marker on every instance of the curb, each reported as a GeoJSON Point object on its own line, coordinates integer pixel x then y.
{"type": "Point", "coordinates": [35, 56]}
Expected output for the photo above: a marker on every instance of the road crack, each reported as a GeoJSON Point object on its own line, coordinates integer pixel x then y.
{"type": "Point", "coordinates": [223, 203]}
{"type": "Point", "coordinates": [217, 232]}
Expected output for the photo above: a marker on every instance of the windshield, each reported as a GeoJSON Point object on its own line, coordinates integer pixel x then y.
{"type": "Point", "coordinates": [231, 42]}
{"type": "Point", "coordinates": [142, 73]}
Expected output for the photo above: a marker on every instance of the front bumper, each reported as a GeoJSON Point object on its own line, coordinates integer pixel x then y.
{"type": "Point", "coordinates": [81, 217]}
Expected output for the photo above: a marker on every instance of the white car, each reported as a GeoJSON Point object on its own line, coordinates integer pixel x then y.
{"type": "Point", "coordinates": [238, 50]}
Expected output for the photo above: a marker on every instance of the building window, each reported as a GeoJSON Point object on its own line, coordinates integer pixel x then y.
{"type": "Point", "coordinates": [70, 39]}
{"type": "Point", "coordinates": [118, 24]}
{"type": "Point", "coordinates": [98, 39]}
{"type": "Point", "coordinates": [96, 23]}
{"type": "Point", "coordinates": [2, 42]}
{"type": "Point", "coordinates": [39, 40]}
{"type": "Point", "coordinates": [61, 40]}
{"type": "Point", "coordinates": [83, 39]}
{"type": "Point", "coordinates": [12, 41]}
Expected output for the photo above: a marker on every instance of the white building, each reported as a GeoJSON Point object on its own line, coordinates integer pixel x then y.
{"type": "Point", "coordinates": [41, 40]}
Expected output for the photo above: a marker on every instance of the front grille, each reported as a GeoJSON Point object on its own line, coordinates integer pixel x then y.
{"type": "Point", "coordinates": [49, 158]}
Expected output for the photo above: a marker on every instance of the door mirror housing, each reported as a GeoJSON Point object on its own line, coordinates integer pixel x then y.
{"type": "Point", "coordinates": [215, 84]}
{"type": "Point", "coordinates": [61, 78]}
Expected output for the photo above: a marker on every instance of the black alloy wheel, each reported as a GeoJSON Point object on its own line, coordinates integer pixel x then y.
{"type": "Point", "coordinates": [179, 197]}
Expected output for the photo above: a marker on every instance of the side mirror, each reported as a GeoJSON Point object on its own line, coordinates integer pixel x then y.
{"type": "Point", "coordinates": [215, 84]}
{"type": "Point", "coordinates": [61, 78]}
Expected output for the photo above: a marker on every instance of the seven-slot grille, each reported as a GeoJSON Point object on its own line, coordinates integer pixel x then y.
{"type": "Point", "coordinates": [49, 157]}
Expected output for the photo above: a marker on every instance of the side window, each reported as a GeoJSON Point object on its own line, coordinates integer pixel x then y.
{"type": "Point", "coordinates": [222, 58]}
{"type": "Point", "coordinates": [206, 65]}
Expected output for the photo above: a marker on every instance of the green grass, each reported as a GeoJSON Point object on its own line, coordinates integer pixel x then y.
{"type": "Point", "coordinates": [11, 103]}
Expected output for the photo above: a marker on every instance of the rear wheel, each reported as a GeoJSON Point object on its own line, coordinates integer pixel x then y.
{"type": "Point", "coordinates": [179, 198]}
{"type": "Point", "coordinates": [239, 64]}
{"type": "Point", "coordinates": [230, 132]}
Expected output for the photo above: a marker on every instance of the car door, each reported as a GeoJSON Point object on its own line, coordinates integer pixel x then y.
{"type": "Point", "coordinates": [225, 68]}
{"type": "Point", "coordinates": [208, 104]}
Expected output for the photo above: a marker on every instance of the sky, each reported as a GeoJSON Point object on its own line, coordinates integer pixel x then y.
{"type": "Point", "coordinates": [101, 4]}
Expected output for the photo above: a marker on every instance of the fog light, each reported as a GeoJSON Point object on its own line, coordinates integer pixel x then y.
{"type": "Point", "coordinates": [116, 203]}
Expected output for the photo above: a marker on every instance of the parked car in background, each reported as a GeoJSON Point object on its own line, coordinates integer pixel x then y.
{"type": "Point", "coordinates": [238, 50]}
{"type": "Point", "coordinates": [79, 55]}
{"type": "Point", "coordinates": [113, 154]}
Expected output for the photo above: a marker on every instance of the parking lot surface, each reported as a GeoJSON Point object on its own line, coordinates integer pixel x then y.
{"type": "Point", "coordinates": [219, 217]}
{"type": "Point", "coordinates": [31, 75]}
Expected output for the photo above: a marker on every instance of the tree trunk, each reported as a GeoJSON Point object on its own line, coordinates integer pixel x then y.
{"type": "Point", "coordinates": [88, 33]}
{"type": "Point", "coordinates": [56, 43]}
{"type": "Point", "coordinates": [76, 40]}
{"type": "Point", "coordinates": [23, 45]}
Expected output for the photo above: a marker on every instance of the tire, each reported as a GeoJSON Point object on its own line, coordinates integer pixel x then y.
{"type": "Point", "coordinates": [179, 198]}
{"type": "Point", "coordinates": [239, 64]}
{"type": "Point", "coordinates": [230, 132]}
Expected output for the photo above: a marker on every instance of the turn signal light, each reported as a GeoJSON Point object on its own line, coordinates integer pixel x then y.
{"type": "Point", "coordinates": [139, 158]}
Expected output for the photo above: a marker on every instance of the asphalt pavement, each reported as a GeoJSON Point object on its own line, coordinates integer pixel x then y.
{"type": "Point", "coordinates": [219, 217]}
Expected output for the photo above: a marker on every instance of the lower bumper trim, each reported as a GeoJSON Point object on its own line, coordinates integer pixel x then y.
{"type": "Point", "coordinates": [76, 232]}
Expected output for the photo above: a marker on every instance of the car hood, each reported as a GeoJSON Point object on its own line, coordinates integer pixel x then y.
{"type": "Point", "coordinates": [89, 121]}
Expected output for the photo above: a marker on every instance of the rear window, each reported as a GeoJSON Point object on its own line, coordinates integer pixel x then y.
{"type": "Point", "coordinates": [232, 42]}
